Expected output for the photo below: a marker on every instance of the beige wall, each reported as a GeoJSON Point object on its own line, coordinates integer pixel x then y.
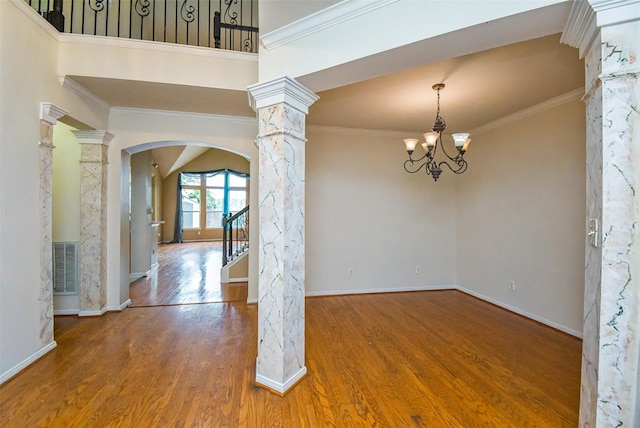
{"type": "Point", "coordinates": [29, 58]}
{"type": "Point", "coordinates": [66, 184]}
{"type": "Point", "coordinates": [517, 214]}
{"type": "Point", "coordinates": [521, 215]}
{"type": "Point", "coordinates": [209, 160]}
{"type": "Point", "coordinates": [363, 212]}
{"type": "Point", "coordinates": [66, 201]}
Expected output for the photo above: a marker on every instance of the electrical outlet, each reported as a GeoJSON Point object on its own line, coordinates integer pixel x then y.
{"type": "Point", "coordinates": [349, 272]}
{"type": "Point", "coordinates": [418, 270]}
{"type": "Point", "coordinates": [512, 285]}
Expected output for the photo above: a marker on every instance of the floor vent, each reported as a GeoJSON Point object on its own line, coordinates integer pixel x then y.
{"type": "Point", "coordinates": [65, 267]}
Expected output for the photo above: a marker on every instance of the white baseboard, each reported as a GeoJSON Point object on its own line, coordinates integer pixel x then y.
{"type": "Point", "coordinates": [447, 287]}
{"type": "Point", "coordinates": [66, 311]}
{"type": "Point", "coordinates": [93, 313]}
{"type": "Point", "coordinates": [26, 362]}
{"type": "Point", "coordinates": [379, 290]}
{"type": "Point", "coordinates": [279, 386]}
{"type": "Point", "coordinates": [232, 280]}
{"type": "Point", "coordinates": [252, 300]}
{"type": "Point", "coordinates": [119, 308]}
{"type": "Point", "coordinates": [521, 312]}
{"type": "Point", "coordinates": [134, 276]}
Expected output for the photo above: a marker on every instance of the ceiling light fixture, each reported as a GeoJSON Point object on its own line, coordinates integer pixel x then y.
{"type": "Point", "coordinates": [431, 165]}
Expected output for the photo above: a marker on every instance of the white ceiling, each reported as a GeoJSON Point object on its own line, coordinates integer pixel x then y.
{"type": "Point", "coordinates": [480, 88]}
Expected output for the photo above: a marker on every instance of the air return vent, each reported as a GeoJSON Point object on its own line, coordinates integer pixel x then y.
{"type": "Point", "coordinates": [65, 268]}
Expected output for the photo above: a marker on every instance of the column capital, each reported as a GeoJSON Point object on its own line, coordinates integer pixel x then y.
{"type": "Point", "coordinates": [282, 90]}
{"type": "Point", "coordinates": [50, 113]}
{"type": "Point", "coordinates": [93, 137]}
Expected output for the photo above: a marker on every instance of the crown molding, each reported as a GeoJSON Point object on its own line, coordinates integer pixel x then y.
{"type": "Point", "coordinates": [580, 30]}
{"type": "Point", "coordinates": [323, 19]}
{"type": "Point", "coordinates": [236, 120]}
{"type": "Point", "coordinates": [337, 130]}
{"type": "Point", "coordinates": [576, 94]}
{"type": "Point", "coordinates": [84, 93]}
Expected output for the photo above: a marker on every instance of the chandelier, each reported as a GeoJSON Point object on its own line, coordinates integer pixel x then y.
{"type": "Point", "coordinates": [432, 140]}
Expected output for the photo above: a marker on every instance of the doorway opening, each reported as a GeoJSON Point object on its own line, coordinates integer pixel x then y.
{"type": "Point", "coordinates": [174, 259]}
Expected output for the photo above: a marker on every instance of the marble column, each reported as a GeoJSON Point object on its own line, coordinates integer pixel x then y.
{"type": "Point", "coordinates": [49, 115]}
{"type": "Point", "coordinates": [608, 35]}
{"type": "Point", "coordinates": [281, 105]}
{"type": "Point", "coordinates": [94, 147]}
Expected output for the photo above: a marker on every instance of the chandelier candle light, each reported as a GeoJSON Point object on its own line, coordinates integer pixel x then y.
{"type": "Point", "coordinates": [433, 167]}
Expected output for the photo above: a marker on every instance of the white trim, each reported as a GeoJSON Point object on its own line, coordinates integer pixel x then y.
{"type": "Point", "coordinates": [580, 30]}
{"type": "Point", "coordinates": [379, 290]}
{"type": "Point", "coordinates": [321, 129]}
{"type": "Point", "coordinates": [521, 312]}
{"type": "Point", "coordinates": [93, 313]}
{"type": "Point", "coordinates": [50, 113]}
{"type": "Point", "coordinates": [239, 120]}
{"type": "Point", "coordinates": [538, 108]}
{"type": "Point", "coordinates": [26, 362]}
{"type": "Point", "coordinates": [119, 308]}
{"type": "Point", "coordinates": [84, 93]}
{"type": "Point", "coordinates": [232, 280]}
{"type": "Point", "coordinates": [321, 20]}
{"type": "Point", "coordinates": [278, 386]}
{"type": "Point", "coordinates": [93, 137]}
{"type": "Point", "coordinates": [252, 300]}
{"type": "Point", "coordinates": [281, 90]}
{"type": "Point", "coordinates": [66, 311]}
{"type": "Point", "coordinates": [510, 308]}
{"type": "Point", "coordinates": [90, 39]}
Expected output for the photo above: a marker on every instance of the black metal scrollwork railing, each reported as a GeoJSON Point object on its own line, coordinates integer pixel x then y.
{"type": "Point", "coordinates": [235, 234]}
{"type": "Point", "coordinates": [225, 24]}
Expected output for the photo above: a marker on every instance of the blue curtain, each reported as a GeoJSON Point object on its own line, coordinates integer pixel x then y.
{"type": "Point", "coordinates": [177, 228]}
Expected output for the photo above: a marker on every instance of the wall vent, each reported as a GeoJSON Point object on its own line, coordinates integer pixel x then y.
{"type": "Point", "coordinates": [65, 268]}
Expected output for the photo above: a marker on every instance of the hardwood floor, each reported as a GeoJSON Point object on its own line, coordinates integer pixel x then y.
{"type": "Point", "coordinates": [425, 359]}
{"type": "Point", "coordinates": [187, 273]}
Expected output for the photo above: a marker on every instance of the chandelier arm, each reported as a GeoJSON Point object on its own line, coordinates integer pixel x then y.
{"type": "Point", "coordinates": [410, 163]}
{"type": "Point", "coordinates": [462, 165]}
{"type": "Point", "coordinates": [447, 154]}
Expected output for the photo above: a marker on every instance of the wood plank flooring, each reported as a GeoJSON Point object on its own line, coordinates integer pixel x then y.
{"type": "Point", "coordinates": [187, 273]}
{"type": "Point", "coordinates": [421, 359]}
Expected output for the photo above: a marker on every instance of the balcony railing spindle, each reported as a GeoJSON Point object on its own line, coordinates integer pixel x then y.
{"type": "Point", "coordinates": [231, 23]}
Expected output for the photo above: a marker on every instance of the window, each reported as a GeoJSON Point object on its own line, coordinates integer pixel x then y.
{"type": "Point", "coordinates": [225, 193]}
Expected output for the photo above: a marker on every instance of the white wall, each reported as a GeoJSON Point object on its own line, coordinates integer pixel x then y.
{"type": "Point", "coordinates": [521, 215]}
{"type": "Point", "coordinates": [28, 55]}
{"type": "Point", "coordinates": [364, 212]}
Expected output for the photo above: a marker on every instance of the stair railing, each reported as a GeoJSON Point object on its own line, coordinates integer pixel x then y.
{"type": "Point", "coordinates": [235, 234]}
{"type": "Point", "coordinates": [225, 24]}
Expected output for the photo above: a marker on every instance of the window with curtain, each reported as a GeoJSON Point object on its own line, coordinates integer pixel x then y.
{"type": "Point", "coordinates": [204, 197]}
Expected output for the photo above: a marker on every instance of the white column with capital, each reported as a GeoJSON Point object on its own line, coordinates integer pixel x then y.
{"type": "Point", "coordinates": [608, 36]}
{"type": "Point", "coordinates": [281, 105]}
{"type": "Point", "coordinates": [93, 221]}
{"type": "Point", "coordinates": [49, 115]}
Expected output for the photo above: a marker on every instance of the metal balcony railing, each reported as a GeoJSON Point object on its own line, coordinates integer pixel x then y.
{"type": "Point", "coordinates": [225, 24]}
